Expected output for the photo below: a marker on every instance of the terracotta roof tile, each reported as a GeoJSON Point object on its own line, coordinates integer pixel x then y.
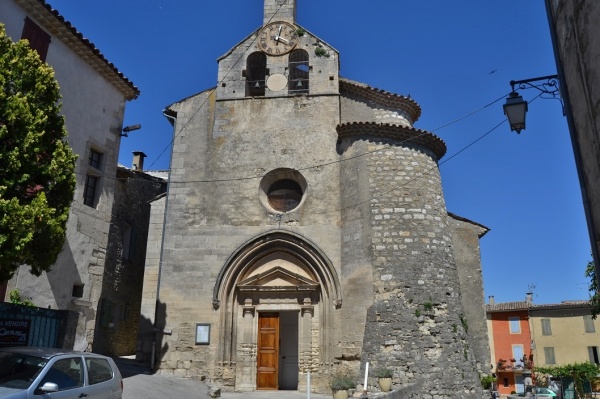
{"type": "Point", "coordinates": [395, 132]}
{"type": "Point", "coordinates": [382, 97]}
{"type": "Point", "coordinates": [514, 306]}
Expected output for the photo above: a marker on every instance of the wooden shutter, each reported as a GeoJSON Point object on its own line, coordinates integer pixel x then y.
{"type": "Point", "coordinates": [39, 40]}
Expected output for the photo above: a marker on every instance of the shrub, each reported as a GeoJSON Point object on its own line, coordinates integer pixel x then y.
{"type": "Point", "coordinates": [340, 382]}
{"type": "Point", "coordinates": [383, 373]}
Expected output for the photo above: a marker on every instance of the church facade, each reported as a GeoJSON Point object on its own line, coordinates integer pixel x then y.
{"type": "Point", "coordinates": [305, 231]}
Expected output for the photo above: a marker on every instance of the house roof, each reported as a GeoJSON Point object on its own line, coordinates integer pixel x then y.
{"type": "Point", "coordinates": [154, 175]}
{"type": "Point", "coordinates": [59, 27]}
{"type": "Point", "coordinates": [524, 305]}
{"type": "Point", "coordinates": [508, 307]}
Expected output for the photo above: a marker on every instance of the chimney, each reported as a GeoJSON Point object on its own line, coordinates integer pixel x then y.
{"type": "Point", "coordinates": [138, 161]}
{"type": "Point", "coordinates": [491, 300]}
{"type": "Point", "coordinates": [529, 298]}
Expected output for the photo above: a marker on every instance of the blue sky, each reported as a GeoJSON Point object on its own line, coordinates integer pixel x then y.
{"type": "Point", "coordinates": [452, 57]}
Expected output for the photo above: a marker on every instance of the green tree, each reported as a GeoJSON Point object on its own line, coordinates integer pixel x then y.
{"type": "Point", "coordinates": [579, 372]}
{"type": "Point", "coordinates": [590, 272]}
{"type": "Point", "coordinates": [36, 164]}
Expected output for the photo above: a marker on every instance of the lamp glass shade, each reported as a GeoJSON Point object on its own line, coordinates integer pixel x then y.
{"type": "Point", "coordinates": [515, 109]}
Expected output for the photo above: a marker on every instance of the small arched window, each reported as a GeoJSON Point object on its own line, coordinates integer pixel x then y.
{"type": "Point", "coordinates": [299, 72]}
{"type": "Point", "coordinates": [256, 71]}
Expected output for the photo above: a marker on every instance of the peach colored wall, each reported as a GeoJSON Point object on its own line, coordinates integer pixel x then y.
{"type": "Point", "coordinates": [503, 340]}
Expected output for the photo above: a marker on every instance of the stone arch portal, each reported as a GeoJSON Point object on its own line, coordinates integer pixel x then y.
{"type": "Point", "coordinates": [281, 276]}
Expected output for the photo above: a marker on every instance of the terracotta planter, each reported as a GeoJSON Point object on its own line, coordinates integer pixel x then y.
{"type": "Point", "coordinates": [341, 394]}
{"type": "Point", "coordinates": [385, 384]}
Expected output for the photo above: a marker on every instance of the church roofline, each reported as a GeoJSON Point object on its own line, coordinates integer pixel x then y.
{"type": "Point", "coordinates": [382, 97]}
{"type": "Point", "coordinates": [395, 132]}
{"type": "Point", "coordinates": [169, 108]}
{"type": "Point", "coordinates": [485, 229]}
{"type": "Point", "coordinates": [67, 33]}
{"type": "Point", "coordinates": [255, 32]}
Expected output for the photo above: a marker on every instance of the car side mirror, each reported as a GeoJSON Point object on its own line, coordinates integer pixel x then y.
{"type": "Point", "coordinates": [49, 387]}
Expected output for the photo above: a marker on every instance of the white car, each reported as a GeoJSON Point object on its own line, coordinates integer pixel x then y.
{"type": "Point", "coordinates": [541, 392]}
{"type": "Point", "coordinates": [28, 373]}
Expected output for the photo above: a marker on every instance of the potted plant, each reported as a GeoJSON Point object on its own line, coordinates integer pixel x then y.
{"type": "Point", "coordinates": [501, 364]}
{"type": "Point", "coordinates": [340, 384]}
{"type": "Point", "coordinates": [384, 378]}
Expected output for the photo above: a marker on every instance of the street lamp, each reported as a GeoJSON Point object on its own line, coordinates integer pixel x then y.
{"type": "Point", "coordinates": [515, 107]}
{"type": "Point", "coordinates": [130, 128]}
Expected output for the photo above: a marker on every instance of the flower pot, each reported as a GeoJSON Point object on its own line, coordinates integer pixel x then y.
{"type": "Point", "coordinates": [385, 384]}
{"type": "Point", "coordinates": [340, 394]}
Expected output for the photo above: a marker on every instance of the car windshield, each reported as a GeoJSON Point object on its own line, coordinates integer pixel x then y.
{"type": "Point", "coordinates": [18, 371]}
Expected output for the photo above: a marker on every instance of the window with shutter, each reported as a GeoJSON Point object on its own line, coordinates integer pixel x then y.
{"type": "Point", "coordinates": [593, 352]}
{"type": "Point", "coordinates": [546, 327]}
{"type": "Point", "coordinates": [38, 39]}
{"type": "Point", "coordinates": [588, 323]}
{"type": "Point", "coordinates": [514, 325]}
{"type": "Point", "coordinates": [549, 355]}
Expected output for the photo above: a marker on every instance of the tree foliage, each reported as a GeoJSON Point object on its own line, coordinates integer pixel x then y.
{"type": "Point", "coordinates": [36, 179]}
{"type": "Point", "coordinates": [579, 372]}
{"type": "Point", "coordinates": [15, 298]}
{"type": "Point", "coordinates": [590, 272]}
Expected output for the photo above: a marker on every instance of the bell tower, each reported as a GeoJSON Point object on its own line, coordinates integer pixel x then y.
{"type": "Point", "coordinates": [279, 10]}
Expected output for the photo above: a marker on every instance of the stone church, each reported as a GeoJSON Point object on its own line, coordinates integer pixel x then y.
{"type": "Point", "coordinates": [305, 231]}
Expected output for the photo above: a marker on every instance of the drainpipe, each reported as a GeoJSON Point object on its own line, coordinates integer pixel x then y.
{"type": "Point", "coordinates": [173, 121]}
{"type": "Point", "coordinates": [574, 142]}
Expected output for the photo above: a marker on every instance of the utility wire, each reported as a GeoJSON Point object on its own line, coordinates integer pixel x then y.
{"type": "Point", "coordinates": [346, 159]}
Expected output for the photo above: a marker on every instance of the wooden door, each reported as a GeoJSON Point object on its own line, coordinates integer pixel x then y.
{"type": "Point", "coordinates": [268, 351]}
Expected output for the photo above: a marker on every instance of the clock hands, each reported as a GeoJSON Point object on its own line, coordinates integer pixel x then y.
{"type": "Point", "coordinates": [278, 35]}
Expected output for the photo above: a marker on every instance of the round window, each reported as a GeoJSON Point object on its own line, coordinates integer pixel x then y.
{"type": "Point", "coordinates": [282, 190]}
{"type": "Point", "coordinates": [284, 195]}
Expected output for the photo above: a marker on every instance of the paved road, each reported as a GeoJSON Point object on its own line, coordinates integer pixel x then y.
{"type": "Point", "coordinates": [140, 383]}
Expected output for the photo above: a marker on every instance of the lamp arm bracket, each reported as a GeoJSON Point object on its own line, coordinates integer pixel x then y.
{"type": "Point", "coordinates": [550, 86]}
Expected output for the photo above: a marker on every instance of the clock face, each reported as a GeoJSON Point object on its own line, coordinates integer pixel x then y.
{"type": "Point", "coordinates": [278, 38]}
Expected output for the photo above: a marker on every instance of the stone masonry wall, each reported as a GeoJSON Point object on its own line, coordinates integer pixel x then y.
{"type": "Point", "coordinates": [465, 243]}
{"type": "Point", "coordinates": [121, 292]}
{"type": "Point", "coordinates": [415, 325]}
{"type": "Point", "coordinates": [214, 208]}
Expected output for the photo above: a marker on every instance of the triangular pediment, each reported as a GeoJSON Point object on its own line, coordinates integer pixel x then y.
{"type": "Point", "coordinates": [277, 278]}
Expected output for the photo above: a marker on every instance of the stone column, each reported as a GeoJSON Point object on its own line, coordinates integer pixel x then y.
{"type": "Point", "coordinates": [305, 360]}
{"type": "Point", "coordinates": [246, 350]}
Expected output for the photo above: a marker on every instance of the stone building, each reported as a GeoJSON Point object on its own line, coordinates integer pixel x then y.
{"type": "Point", "coordinates": [121, 295]}
{"type": "Point", "coordinates": [94, 94]}
{"type": "Point", "coordinates": [305, 230]}
{"type": "Point", "coordinates": [575, 31]}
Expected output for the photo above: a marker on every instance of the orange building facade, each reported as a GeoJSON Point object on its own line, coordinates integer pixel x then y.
{"type": "Point", "coordinates": [510, 344]}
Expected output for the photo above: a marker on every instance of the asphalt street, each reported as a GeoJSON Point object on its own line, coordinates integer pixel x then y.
{"type": "Point", "coordinates": [140, 383]}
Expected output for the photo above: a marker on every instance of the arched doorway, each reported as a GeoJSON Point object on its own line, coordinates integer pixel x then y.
{"type": "Point", "coordinates": [275, 295]}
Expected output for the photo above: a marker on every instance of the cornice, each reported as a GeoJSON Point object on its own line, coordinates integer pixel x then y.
{"type": "Point", "coordinates": [394, 132]}
{"type": "Point", "coordinates": [62, 29]}
{"type": "Point", "coordinates": [382, 97]}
